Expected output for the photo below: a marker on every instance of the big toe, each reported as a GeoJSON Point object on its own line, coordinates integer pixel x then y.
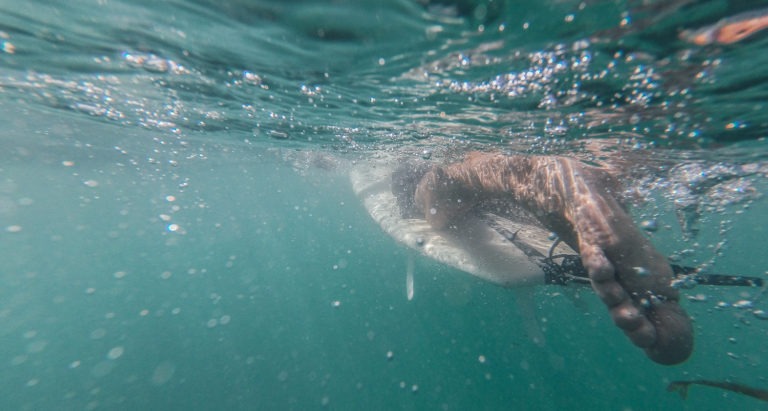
{"type": "Point", "coordinates": [674, 334]}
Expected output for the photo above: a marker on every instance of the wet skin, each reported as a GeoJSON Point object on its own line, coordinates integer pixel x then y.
{"type": "Point", "coordinates": [729, 30]}
{"type": "Point", "coordinates": [579, 203]}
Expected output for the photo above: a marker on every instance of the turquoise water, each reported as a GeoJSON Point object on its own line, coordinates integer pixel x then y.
{"type": "Point", "coordinates": [177, 230]}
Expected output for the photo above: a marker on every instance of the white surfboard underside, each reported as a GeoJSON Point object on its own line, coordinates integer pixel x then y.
{"type": "Point", "coordinates": [470, 245]}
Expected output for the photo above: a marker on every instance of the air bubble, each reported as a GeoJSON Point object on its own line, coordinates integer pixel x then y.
{"type": "Point", "coordinates": [98, 334]}
{"type": "Point", "coordinates": [163, 373]}
{"type": "Point", "coordinates": [697, 298]}
{"type": "Point", "coordinates": [641, 271]}
{"type": "Point", "coordinates": [742, 304]}
{"type": "Point", "coordinates": [115, 352]}
{"type": "Point", "coordinates": [650, 225]}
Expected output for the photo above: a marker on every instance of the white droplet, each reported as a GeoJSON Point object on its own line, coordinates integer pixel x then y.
{"type": "Point", "coordinates": [98, 334]}
{"type": "Point", "coordinates": [18, 360]}
{"type": "Point", "coordinates": [336, 304]}
{"type": "Point", "coordinates": [481, 359]}
{"type": "Point", "coordinates": [115, 352]}
{"type": "Point", "coordinates": [224, 320]}
{"type": "Point", "coordinates": [13, 228]}
{"type": "Point", "coordinates": [36, 346]}
{"type": "Point", "coordinates": [163, 373]}
{"type": "Point", "coordinates": [91, 183]}
{"type": "Point", "coordinates": [102, 369]}
{"type": "Point", "coordinates": [282, 376]}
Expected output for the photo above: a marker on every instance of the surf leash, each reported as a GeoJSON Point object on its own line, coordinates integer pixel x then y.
{"type": "Point", "coordinates": [570, 269]}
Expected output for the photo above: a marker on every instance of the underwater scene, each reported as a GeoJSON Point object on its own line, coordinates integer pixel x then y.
{"type": "Point", "coordinates": [383, 204]}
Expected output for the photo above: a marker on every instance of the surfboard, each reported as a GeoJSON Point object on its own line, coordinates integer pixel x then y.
{"type": "Point", "coordinates": [496, 248]}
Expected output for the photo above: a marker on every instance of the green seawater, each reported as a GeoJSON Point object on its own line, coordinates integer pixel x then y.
{"type": "Point", "coordinates": [169, 240]}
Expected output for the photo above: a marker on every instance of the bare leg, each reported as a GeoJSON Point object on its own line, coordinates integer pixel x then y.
{"type": "Point", "coordinates": [577, 202]}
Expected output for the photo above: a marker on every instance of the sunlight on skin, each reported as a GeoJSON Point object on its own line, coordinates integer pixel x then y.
{"type": "Point", "coordinates": [576, 202]}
